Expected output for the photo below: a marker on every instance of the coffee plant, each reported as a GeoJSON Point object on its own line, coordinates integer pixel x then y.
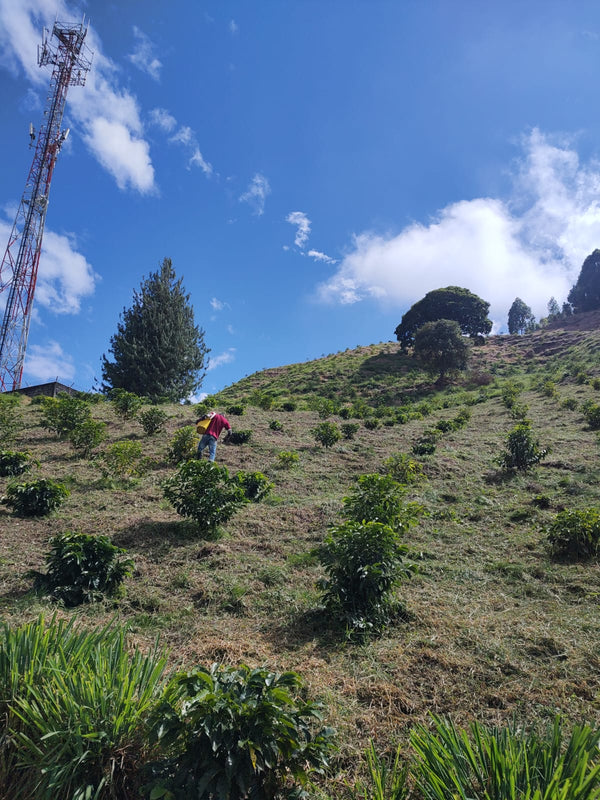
{"type": "Point", "coordinates": [236, 410]}
{"type": "Point", "coordinates": [10, 417]}
{"type": "Point", "coordinates": [255, 485]}
{"type": "Point", "coordinates": [63, 414]}
{"type": "Point", "coordinates": [591, 412]}
{"type": "Point", "coordinates": [126, 404]}
{"type": "Point", "coordinates": [275, 425]}
{"type": "Point", "coordinates": [87, 436]}
{"type": "Point", "coordinates": [153, 420]}
{"type": "Point", "coordinates": [239, 437]}
{"type": "Point", "coordinates": [349, 429]}
{"type": "Point", "coordinates": [327, 434]}
{"type": "Point", "coordinates": [35, 498]}
{"type": "Point", "coordinates": [288, 458]}
{"type": "Point", "coordinates": [575, 534]}
{"type": "Point", "coordinates": [123, 460]}
{"type": "Point", "coordinates": [403, 468]}
{"type": "Point", "coordinates": [82, 568]}
{"type": "Point", "coordinates": [14, 463]}
{"type": "Point", "coordinates": [235, 732]}
{"type": "Point", "coordinates": [183, 445]}
{"type": "Point", "coordinates": [523, 450]}
{"type": "Point", "coordinates": [289, 405]}
{"type": "Point", "coordinates": [204, 492]}
{"type": "Point", "coordinates": [379, 498]}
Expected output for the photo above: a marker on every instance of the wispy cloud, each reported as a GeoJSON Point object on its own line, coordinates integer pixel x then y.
{"type": "Point", "coordinates": [233, 27]}
{"type": "Point", "coordinates": [257, 193]}
{"type": "Point", "coordinates": [302, 223]}
{"type": "Point", "coordinates": [183, 136]}
{"type": "Point", "coordinates": [143, 55]}
{"type": "Point", "coordinates": [64, 277]}
{"type": "Point", "coordinates": [106, 113]}
{"type": "Point", "coordinates": [224, 358]}
{"type": "Point", "coordinates": [163, 119]}
{"type": "Point", "coordinates": [318, 256]}
{"type": "Point", "coordinates": [48, 362]}
{"type": "Point", "coordinates": [531, 244]}
{"type": "Point", "coordinates": [217, 305]}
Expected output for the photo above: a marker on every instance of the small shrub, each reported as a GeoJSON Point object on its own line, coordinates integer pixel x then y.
{"type": "Point", "coordinates": [575, 534]}
{"type": "Point", "coordinates": [10, 417]}
{"type": "Point", "coordinates": [523, 449]}
{"type": "Point", "coordinates": [235, 732]}
{"type": "Point", "coordinates": [541, 501]}
{"type": "Point", "coordinates": [581, 378]}
{"type": "Point", "coordinates": [349, 429]}
{"type": "Point", "coordinates": [126, 404]}
{"type": "Point", "coordinates": [289, 405]}
{"type": "Point", "coordinates": [345, 412]}
{"type": "Point", "coordinates": [570, 403]}
{"type": "Point", "coordinates": [63, 414]}
{"type": "Point", "coordinates": [379, 498]}
{"type": "Point", "coordinates": [239, 437]}
{"type": "Point", "coordinates": [236, 410]}
{"type": "Point", "coordinates": [288, 458]}
{"type": "Point", "coordinates": [123, 460]}
{"type": "Point", "coordinates": [404, 469]}
{"type": "Point", "coordinates": [549, 389]}
{"type": "Point", "coordinates": [519, 411]}
{"type": "Point", "coordinates": [371, 424]}
{"type": "Point", "coordinates": [255, 485]}
{"type": "Point", "coordinates": [183, 445]}
{"type": "Point", "coordinates": [15, 463]}
{"type": "Point", "coordinates": [327, 434]}
{"type": "Point", "coordinates": [325, 408]}
{"type": "Point", "coordinates": [82, 568]}
{"type": "Point", "coordinates": [591, 412]}
{"type": "Point", "coordinates": [153, 420]}
{"type": "Point", "coordinates": [595, 383]}
{"type": "Point", "coordinates": [87, 436]}
{"type": "Point", "coordinates": [364, 563]}
{"type": "Point", "coordinates": [35, 498]}
{"type": "Point", "coordinates": [275, 425]}
{"type": "Point", "coordinates": [426, 443]}
{"type": "Point", "coordinates": [204, 492]}
{"type": "Point", "coordinates": [461, 419]}
{"type": "Point", "coordinates": [445, 425]}
{"type": "Point", "coordinates": [510, 393]}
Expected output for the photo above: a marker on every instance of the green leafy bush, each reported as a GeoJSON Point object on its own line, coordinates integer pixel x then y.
{"type": "Point", "coordinates": [288, 458]}
{"type": "Point", "coordinates": [349, 429]}
{"type": "Point", "coordinates": [505, 763]}
{"type": "Point", "coordinates": [327, 434]}
{"type": "Point", "coordinates": [74, 705]}
{"type": "Point", "coordinates": [345, 412]}
{"type": "Point", "coordinates": [153, 420]}
{"type": "Point", "coordinates": [379, 498]}
{"type": "Point", "coordinates": [183, 445]}
{"type": "Point", "coordinates": [234, 733]}
{"type": "Point", "coordinates": [205, 492]}
{"type": "Point", "coordinates": [426, 443]}
{"type": "Point", "coordinates": [15, 463]}
{"type": "Point", "coordinates": [570, 403]}
{"type": "Point", "coordinates": [364, 563]}
{"type": "Point", "coordinates": [87, 436]}
{"type": "Point", "coordinates": [275, 425]}
{"type": "Point", "coordinates": [126, 404]}
{"type": "Point", "coordinates": [575, 534]}
{"type": "Point", "coordinates": [123, 460]}
{"type": "Point", "coordinates": [595, 383]}
{"type": "Point", "coordinates": [255, 485]}
{"type": "Point", "coordinates": [64, 413]}
{"type": "Point", "coordinates": [236, 410]}
{"type": "Point", "coordinates": [403, 468]}
{"type": "Point", "coordinates": [372, 424]}
{"type": "Point", "coordinates": [35, 498]}
{"type": "Point", "coordinates": [289, 405]}
{"type": "Point", "coordinates": [445, 425]}
{"type": "Point", "coordinates": [519, 411]}
{"type": "Point", "coordinates": [10, 417]}
{"type": "Point", "coordinates": [83, 568]}
{"type": "Point", "coordinates": [461, 419]}
{"type": "Point", "coordinates": [591, 412]}
{"type": "Point", "coordinates": [239, 437]}
{"type": "Point", "coordinates": [510, 393]}
{"type": "Point", "coordinates": [523, 450]}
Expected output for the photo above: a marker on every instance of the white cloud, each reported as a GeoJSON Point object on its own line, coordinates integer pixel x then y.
{"type": "Point", "coordinates": [233, 27]}
{"type": "Point", "coordinates": [318, 256]}
{"type": "Point", "coordinates": [47, 362]}
{"type": "Point", "coordinates": [224, 358]}
{"type": "Point", "coordinates": [143, 55]}
{"type": "Point", "coordinates": [163, 119]}
{"type": "Point", "coordinates": [302, 223]}
{"type": "Point", "coordinates": [257, 193]}
{"type": "Point", "coordinates": [197, 160]}
{"type": "Point", "coordinates": [100, 107]}
{"type": "Point", "coordinates": [64, 275]}
{"type": "Point", "coordinates": [186, 137]}
{"type": "Point", "coordinates": [531, 245]}
{"type": "Point", "coordinates": [217, 305]}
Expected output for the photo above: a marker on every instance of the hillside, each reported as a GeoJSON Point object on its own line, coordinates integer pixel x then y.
{"type": "Point", "coordinates": [494, 628]}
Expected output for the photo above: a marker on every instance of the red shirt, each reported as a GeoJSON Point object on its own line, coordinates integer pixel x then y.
{"type": "Point", "coordinates": [217, 423]}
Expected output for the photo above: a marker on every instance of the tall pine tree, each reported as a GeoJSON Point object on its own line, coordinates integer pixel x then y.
{"type": "Point", "coordinates": [157, 351]}
{"type": "Point", "coordinates": [585, 295]}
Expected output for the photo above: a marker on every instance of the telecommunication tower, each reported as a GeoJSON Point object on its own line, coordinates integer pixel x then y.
{"type": "Point", "coordinates": [70, 60]}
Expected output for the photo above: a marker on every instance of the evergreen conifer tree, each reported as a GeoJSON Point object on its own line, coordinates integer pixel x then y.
{"type": "Point", "coordinates": [158, 351]}
{"type": "Point", "coordinates": [585, 295]}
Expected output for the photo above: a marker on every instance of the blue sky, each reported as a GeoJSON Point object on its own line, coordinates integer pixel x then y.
{"type": "Point", "coordinates": [312, 167]}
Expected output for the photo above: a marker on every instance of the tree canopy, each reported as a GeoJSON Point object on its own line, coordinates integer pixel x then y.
{"type": "Point", "coordinates": [451, 303]}
{"type": "Point", "coordinates": [158, 350]}
{"type": "Point", "coordinates": [585, 294]}
{"type": "Point", "coordinates": [441, 348]}
{"type": "Point", "coordinates": [520, 317]}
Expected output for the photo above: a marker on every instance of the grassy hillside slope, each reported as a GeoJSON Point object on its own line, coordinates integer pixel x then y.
{"type": "Point", "coordinates": [494, 628]}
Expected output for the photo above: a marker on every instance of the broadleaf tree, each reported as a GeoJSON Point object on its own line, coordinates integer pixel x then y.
{"type": "Point", "coordinates": [450, 303]}
{"type": "Point", "coordinates": [158, 351]}
{"type": "Point", "coordinates": [585, 294]}
{"type": "Point", "coordinates": [520, 317]}
{"type": "Point", "coordinates": [441, 348]}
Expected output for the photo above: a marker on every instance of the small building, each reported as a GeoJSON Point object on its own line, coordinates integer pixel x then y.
{"type": "Point", "coordinates": [51, 389]}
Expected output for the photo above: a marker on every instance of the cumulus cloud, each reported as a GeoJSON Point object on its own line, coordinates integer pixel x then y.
{"type": "Point", "coordinates": [318, 256]}
{"type": "Point", "coordinates": [64, 275]}
{"type": "Point", "coordinates": [107, 114]}
{"type": "Point", "coordinates": [531, 244]}
{"type": "Point", "coordinates": [302, 223]}
{"type": "Point", "coordinates": [224, 358]}
{"type": "Point", "coordinates": [47, 362]}
{"type": "Point", "coordinates": [143, 55]}
{"type": "Point", "coordinates": [257, 193]}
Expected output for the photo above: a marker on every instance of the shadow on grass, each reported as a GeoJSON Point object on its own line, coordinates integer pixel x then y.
{"type": "Point", "coordinates": [150, 536]}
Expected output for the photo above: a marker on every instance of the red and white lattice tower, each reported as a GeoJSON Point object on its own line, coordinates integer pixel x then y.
{"type": "Point", "coordinates": [70, 61]}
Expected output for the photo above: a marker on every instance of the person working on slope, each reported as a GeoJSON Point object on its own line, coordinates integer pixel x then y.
{"type": "Point", "coordinates": [211, 433]}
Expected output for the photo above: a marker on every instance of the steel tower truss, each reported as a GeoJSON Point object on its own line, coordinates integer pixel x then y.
{"type": "Point", "coordinates": [70, 60]}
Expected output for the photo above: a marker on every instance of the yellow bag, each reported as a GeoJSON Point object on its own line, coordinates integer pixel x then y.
{"type": "Point", "coordinates": [202, 425]}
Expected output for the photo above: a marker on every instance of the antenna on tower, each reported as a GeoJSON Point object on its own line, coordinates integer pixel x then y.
{"type": "Point", "coordinates": [70, 60]}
